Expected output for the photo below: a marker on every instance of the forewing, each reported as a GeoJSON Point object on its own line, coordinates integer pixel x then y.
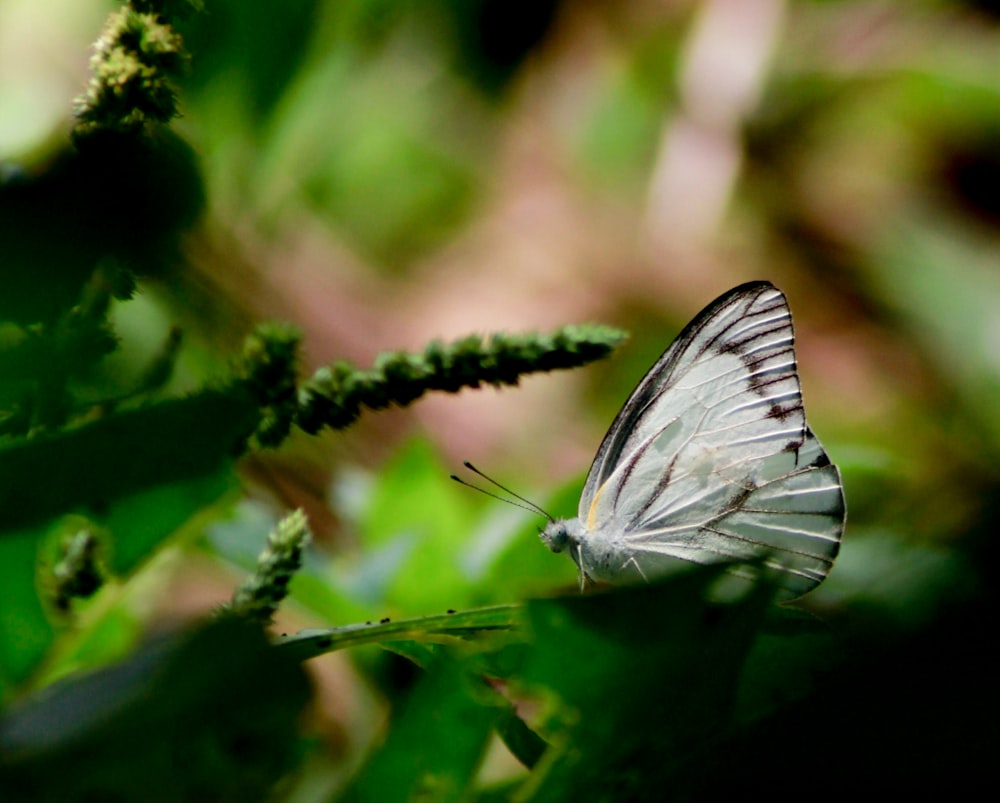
{"type": "Point", "coordinates": [721, 402]}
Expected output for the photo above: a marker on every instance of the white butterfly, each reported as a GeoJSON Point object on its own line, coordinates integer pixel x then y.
{"type": "Point", "coordinates": [711, 459]}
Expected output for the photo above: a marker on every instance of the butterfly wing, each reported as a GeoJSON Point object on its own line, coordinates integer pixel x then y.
{"type": "Point", "coordinates": [711, 458]}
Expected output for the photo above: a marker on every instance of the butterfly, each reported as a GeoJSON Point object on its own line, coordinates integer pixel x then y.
{"type": "Point", "coordinates": [711, 460]}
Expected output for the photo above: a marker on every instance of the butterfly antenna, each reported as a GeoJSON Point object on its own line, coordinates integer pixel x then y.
{"type": "Point", "coordinates": [527, 503]}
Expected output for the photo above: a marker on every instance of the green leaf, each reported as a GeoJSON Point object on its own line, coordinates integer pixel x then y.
{"type": "Point", "coordinates": [119, 455]}
{"type": "Point", "coordinates": [25, 631]}
{"type": "Point", "coordinates": [635, 678]}
{"type": "Point", "coordinates": [445, 628]}
{"type": "Point", "coordinates": [435, 742]}
{"type": "Point", "coordinates": [207, 714]}
{"type": "Point", "coordinates": [143, 474]}
{"type": "Point", "coordinates": [140, 522]}
{"type": "Point", "coordinates": [415, 531]}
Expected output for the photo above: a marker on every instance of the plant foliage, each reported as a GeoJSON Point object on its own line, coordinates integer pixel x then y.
{"type": "Point", "coordinates": [470, 667]}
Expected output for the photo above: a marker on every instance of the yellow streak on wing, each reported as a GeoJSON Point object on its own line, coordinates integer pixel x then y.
{"type": "Point", "coordinates": [592, 513]}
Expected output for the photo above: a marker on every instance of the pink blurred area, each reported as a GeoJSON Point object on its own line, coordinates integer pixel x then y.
{"type": "Point", "coordinates": [546, 245]}
{"type": "Point", "coordinates": [643, 158]}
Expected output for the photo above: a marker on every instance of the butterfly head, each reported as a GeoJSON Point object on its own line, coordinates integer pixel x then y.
{"type": "Point", "coordinates": [561, 533]}
{"type": "Point", "coordinates": [567, 534]}
{"type": "Point", "coordinates": [555, 535]}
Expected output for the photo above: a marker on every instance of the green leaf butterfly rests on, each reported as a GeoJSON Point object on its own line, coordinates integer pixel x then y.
{"type": "Point", "coordinates": [711, 459]}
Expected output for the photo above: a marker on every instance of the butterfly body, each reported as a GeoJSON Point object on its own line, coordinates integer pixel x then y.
{"type": "Point", "coordinates": [711, 460]}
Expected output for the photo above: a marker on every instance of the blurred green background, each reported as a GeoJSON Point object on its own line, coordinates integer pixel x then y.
{"type": "Point", "coordinates": [384, 172]}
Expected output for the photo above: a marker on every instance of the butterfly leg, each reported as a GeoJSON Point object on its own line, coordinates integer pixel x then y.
{"type": "Point", "coordinates": [633, 561]}
{"type": "Point", "coordinates": [579, 565]}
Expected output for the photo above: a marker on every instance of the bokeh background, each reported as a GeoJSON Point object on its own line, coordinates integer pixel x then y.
{"type": "Point", "coordinates": [383, 172]}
